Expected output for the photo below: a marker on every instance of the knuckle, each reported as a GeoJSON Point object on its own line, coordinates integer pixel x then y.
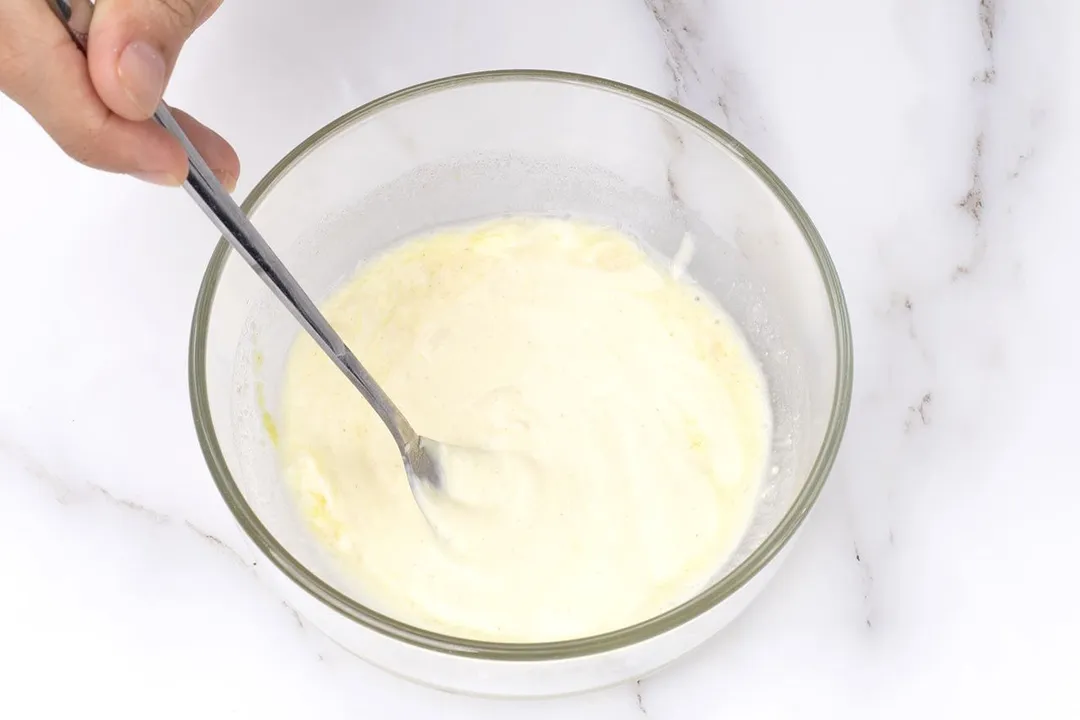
{"type": "Point", "coordinates": [81, 151]}
{"type": "Point", "coordinates": [183, 13]}
{"type": "Point", "coordinates": [85, 145]}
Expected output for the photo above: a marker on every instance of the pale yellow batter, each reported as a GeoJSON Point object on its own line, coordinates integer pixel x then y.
{"type": "Point", "coordinates": [619, 421]}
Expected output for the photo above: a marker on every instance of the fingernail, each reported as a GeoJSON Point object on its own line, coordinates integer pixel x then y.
{"type": "Point", "coordinates": [156, 178]}
{"type": "Point", "coordinates": [141, 70]}
{"type": "Point", "coordinates": [227, 179]}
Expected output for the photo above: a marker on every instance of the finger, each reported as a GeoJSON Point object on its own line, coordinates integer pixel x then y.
{"type": "Point", "coordinates": [217, 153]}
{"type": "Point", "coordinates": [133, 47]}
{"type": "Point", "coordinates": [42, 70]}
{"type": "Point", "coordinates": [208, 10]}
{"type": "Point", "coordinates": [46, 73]}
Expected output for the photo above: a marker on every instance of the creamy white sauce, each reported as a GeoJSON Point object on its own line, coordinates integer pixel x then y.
{"type": "Point", "coordinates": [610, 430]}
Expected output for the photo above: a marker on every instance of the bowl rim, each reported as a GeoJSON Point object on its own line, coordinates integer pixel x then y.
{"type": "Point", "coordinates": [564, 649]}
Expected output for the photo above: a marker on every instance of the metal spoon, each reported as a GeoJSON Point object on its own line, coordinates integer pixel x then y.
{"type": "Point", "coordinates": [419, 454]}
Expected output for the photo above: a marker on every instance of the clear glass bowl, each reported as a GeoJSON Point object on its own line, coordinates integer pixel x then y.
{"type": "Point", "coordinates": [515, 142]}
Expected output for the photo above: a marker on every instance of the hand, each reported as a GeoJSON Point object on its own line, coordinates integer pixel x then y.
{"type": "Point", "coordinates": [97, 108]}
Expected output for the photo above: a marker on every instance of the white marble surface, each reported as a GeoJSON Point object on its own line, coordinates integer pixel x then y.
{"type": "Point", "coordinates": [935, 143]}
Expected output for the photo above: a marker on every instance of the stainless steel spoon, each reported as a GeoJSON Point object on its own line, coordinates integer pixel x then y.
{"type": "Point", "coordinates": [419, 454]}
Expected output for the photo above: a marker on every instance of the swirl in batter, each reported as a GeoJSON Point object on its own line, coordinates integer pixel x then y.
{"type": "Point", "coordinates": [612, 427]}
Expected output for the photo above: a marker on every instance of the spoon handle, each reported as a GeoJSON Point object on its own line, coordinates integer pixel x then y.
{"type": "Point", "coordinates": [204, 188]}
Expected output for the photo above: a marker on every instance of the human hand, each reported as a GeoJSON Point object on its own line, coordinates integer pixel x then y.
{"type": "Point", "coordinates": [98, 108]}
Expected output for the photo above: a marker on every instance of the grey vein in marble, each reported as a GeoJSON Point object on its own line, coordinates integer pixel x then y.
{"type": "Point", "coordinates": [973, 200]}
{"type": "Point", "coordinates": [867, 586]}
{"type": "Point", "coordinates": [21, 457]}
{"type": "Point", "coordinates": [296, 617]}
{"type": "Point", "coordinates": [920, 412]}
{"type": "Point", "coordinates": [987, 25]}
{"type": "Point", "coordinates": [67, 494]}
{"type": "Point", "coordinates": [152, 515]}
{"type": "Point", "coordinates": [637, 697]}
{"type": "Point", "coordinates": [671, 18]}
{"type": "Point", "coordinates": [972, 204]}
{"type": "Point", "coordinates": [64, 493]}
{"type": "Point", "coordinates": [696, 81]}
{"type": "Point", "coordinates": [987, 21]}
{"type": "Point", "coordinates": [217, 542]}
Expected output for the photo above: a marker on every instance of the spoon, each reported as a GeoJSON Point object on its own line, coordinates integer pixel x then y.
{"type": "Point", "coordinates": [419, 454]}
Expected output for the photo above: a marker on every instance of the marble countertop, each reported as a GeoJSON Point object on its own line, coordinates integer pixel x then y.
{"type": "Point", "coordinates": [935, 144]}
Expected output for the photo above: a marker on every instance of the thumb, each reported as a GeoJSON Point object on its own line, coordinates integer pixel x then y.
{"type": "Point", "coordinates": [133, 47]}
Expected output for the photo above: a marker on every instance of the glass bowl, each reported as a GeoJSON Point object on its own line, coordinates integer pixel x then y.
{"type": "Point", "coordinates": [523, 142]}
